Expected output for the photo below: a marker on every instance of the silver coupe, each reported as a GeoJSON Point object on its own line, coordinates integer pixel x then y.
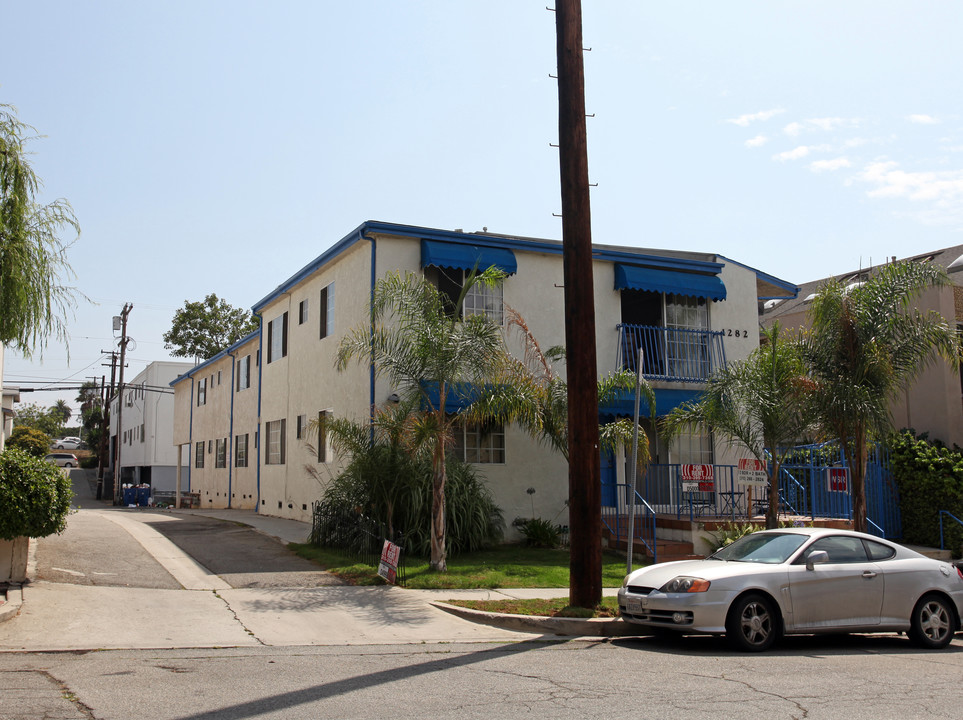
{"type": "Point", "coordinates": [800, 581]}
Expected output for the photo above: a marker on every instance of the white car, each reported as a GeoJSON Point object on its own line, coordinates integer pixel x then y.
{"type": "Point", "coordinates": [67, 460]}
{"type": "Point", "coordinates": [67, 443]}
{"type": "Point", "coordinates": [800, 581]}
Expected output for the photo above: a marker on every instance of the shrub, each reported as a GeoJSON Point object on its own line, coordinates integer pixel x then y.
{"type": "Point", "coordinates": [90, 462]}
{"type": "Point", "coordinates": [34, 496]}
{"type": "Point", "coordinates": [539, 533]}
{"type": "Point", "coordinates": [930, 478]}
{"type": "Point", "coordinates": [29, 439]}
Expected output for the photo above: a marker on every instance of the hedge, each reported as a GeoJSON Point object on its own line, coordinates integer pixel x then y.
{"type": "Point", "coordinates": [34, 496]}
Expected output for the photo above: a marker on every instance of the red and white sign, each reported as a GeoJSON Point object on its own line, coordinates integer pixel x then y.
{"type": "Point", "coordinates": [697, 478]}
{"type": "Point", "coordinates": [388, 567]}
{"type": "Point", "coordinates": [752, 472]}
{"type": "Point", "coordinates": [837, 479]}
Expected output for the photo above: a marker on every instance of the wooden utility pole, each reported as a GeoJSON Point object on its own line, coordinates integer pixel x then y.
{"type": "Point", "coordinates": [118, 491]}
{"type": "Point", "coordinates": [105, 398]}
{"type": "Point", "coordinates": [585, 492]}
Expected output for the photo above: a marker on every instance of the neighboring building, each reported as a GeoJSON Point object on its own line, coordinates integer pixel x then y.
{"type": "Point", "coordinates": [934, 402]}
{"type": "Point", "coordinates": [244, 412]}
{"type": "Point", "coordinates": [11, 395]}
{"type": "Point", "coordinates": [148, 454]}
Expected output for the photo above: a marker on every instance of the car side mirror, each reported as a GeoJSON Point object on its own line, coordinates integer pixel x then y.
{"type": "Point", "coordinates": [817, 557]}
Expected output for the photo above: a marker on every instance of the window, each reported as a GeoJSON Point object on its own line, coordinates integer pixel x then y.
{"type": "Point", "coordinates": [479, 443]}
{"type": "Point", "coordinates": [202, 392]}
{"type": "Point", "coordinates": [199, 454]}
{"type": "Point", "coordinates": [323, 435]}
{"type": "Point", "coordinates": [326, 310]}
{"type": "Point", "coordinates": [220, 459]}
{"type": "Point", "coordinates": [302, 426]}
{"type": "Point", "coordinates": [841, 549]}
{"type": "Point", "coordinates": [692, 448]}
{"type": "Point", "coordinates": [142, 432]}
{"type": "Point", "coordinates": [303, 312]}
{"type": "Point", "coordinates": [878, 551]}
{"type": "Point", "coordinates": [274, 447]}
{"type": "Point", "coordinates": [479, 300]}
{"type": "Point", "coordinates": [218, 377]}
{"type": "Point", "coordinates": [687, 352]}
{"type": "Point", "coordinates": [244, 373]}
{"type": "Point", "coordinates": [240, 450]}
{"type": "Point", "coordinates": [278, 338]}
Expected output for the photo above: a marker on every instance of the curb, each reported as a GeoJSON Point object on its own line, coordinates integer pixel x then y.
{"type": "Point", "coordinates": [14, 600]}
{"type": "Point", "coordinates": [572, 627]}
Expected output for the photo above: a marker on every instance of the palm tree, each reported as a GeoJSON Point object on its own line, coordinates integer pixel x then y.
{"type": "Point", "coordinates": [758, 403]}
{"type": "Point", "coordinates": [32, 256]}
{"type": "Point", "coordinates": [533, 395]}
{"type": "Point", "coordinates": [866, 342]}
{"type": "Point", "coordinates": [419, 341]}
{"type": "Point", "coordinates": [62, 410]}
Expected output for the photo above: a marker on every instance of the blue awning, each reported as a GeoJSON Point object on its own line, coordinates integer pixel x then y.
{"type": "Point", "coordinates": [666, 400]}
{"type": "Point", "coordinates": [466, 257]}
{"type": "Point", "coordinates": [632, 277]}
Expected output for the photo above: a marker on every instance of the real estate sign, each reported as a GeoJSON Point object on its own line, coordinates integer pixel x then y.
{"type": "Point", "coordinates": [697, 478]}
{"type": "Point", "coordinates": [752, 472]}
{"type": "Point", "coordinates": [837, 479]}
{"type": "Point", "coordinates": [388, 567]}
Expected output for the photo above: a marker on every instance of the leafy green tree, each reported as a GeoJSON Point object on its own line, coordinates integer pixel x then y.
{"type": "Point", "coordinates": [759, 403]}
{"type": "Point", "coordinates": [867, 342]}
{"type": "Point", "coordinates": [31, 440]}
{"type": "Point", "coordinates": [33, 257]}
{"type": "Point", "coordinates": [36, 416]}
{"type": "Point", "coordinates": [430, 354]}
{"type": "Point", "coordinates": [34, 496]}
{"type": "Point", "coordinates": [202, 329]}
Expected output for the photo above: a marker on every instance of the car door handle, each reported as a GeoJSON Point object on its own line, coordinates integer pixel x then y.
{"type": "Point", "coordinates": [869, 574]}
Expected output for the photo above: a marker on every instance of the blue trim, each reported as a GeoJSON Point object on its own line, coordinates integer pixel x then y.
{"type": "Point", "coordinates": [226, 351]}
{"type": "Point", "coordinates": [467, 257]}
{"type": "Point", "coordinates": [230, 438]}
{"type": "Point", "coordinates": [791, 290]}
{"type": "Point", "coordinates": [666, 400]}
{"type": "Point", "coordinates": [631, 277]}
{"type": "Point", "coordinates": [257, 427]}
{"type": "Point", "coordinates": [190, 447]}
{"type": "Point", "coordinates": [371, 365]}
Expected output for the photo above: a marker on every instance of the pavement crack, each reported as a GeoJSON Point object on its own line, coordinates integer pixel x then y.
{"type": "Point", "coordinates": [237, 618]}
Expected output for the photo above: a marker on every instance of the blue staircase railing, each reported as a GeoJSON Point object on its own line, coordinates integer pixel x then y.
{"type": "Point", "coordinates": [942, 513]}
{"type": "Point", "coordinates": [616, 519]}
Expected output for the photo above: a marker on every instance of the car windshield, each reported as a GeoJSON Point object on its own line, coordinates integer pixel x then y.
{"type": "Point", "coordinates": [762, 548]}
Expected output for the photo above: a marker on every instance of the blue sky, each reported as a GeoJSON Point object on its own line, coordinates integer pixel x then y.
{"type": "Point", "coordinates": [220, 146]}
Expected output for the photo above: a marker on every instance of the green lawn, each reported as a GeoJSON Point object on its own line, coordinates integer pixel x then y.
{"type": "Point", "coordinates": [507, 566]}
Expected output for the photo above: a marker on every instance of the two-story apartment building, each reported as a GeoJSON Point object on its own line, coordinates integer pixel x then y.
{"type": "Point", "coordinates": [244, 412]}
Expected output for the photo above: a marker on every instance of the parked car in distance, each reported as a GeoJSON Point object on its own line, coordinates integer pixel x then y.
{"type": "Point", "coordinates": [800, 581]}
{"type": "Point", "coordinates": [67, 443]}
{"type": "Point", "coordinates": [67, 460]}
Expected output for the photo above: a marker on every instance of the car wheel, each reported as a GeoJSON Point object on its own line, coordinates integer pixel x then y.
{"type": "Point", "coordinates": [931, 625]}
{"type": "Point", "coordinates": [752, 625]}
{"type": "Point", "coordinates": [68, 465]}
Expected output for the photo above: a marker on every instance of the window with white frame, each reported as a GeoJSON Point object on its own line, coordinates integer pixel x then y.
{"type": "Point", "coordinates": [244, 373]}
{"type": "Point", "coordinates": [278, 338]}
{"type": "Point", "coordinates": [303, 312]}
{"type": "Point", "coordinates": [479, 300]}
{"type": "Point", "coordinates": [202, 392]}
{"type": "Point", "coordinates": [240, 450]}
{"type": "Point", "coordinates": [481, 443]}
{"type": "Point", "coordinates": [220, 457]}
{"type": "Point", "coordinates": [199, 454]}
{"type": "Point", "coordinates": [301, 427]}
{"type": "Point", "coordinates": [692, 448]}
{"type": "Point", "coordinates": [687, 349]}
{"type": "Point", "coordinates": [274, 442]}
{"type": "Point", "coordinates": [326, 310]}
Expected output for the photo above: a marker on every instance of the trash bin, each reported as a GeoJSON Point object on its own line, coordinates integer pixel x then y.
{"type": "Point", "coordinates": [129, 495]}
{"type": "Point", "coordinates": [143, 495]}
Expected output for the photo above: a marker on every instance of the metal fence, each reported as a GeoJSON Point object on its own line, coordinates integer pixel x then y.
{"type": "Point", "coordinates": [355, 534]}
{"type": "Point", "coordinates": [814, 482]}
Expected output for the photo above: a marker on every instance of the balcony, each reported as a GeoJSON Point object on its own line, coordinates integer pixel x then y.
{"type": "Point", "coordinates": [671, 354]}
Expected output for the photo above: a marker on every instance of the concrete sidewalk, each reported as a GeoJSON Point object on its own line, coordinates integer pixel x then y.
{"type": "Point", "coordinates": [206, 612]}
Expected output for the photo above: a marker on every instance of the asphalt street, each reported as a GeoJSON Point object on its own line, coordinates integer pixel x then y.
{"type": "Point", "coordinates": [149, 614]}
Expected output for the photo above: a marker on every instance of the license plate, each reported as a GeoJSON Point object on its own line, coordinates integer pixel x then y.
{"type": "Point", "coordinates": [633, 606]}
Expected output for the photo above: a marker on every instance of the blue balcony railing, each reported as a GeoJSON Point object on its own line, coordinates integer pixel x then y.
{"type": "Point", "coordinates": [675, 354]}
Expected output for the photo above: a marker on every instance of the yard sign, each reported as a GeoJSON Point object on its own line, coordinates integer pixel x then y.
{"type": "Point", "coordinates": [697, 478]}
{"type": "Point", "coordinates": [388, 567]}
{"type": "Point", "coordinates": [752, 472]}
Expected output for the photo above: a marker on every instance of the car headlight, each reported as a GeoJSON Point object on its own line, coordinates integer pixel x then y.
{"type": "Point", "coordinates": [684, 584]}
